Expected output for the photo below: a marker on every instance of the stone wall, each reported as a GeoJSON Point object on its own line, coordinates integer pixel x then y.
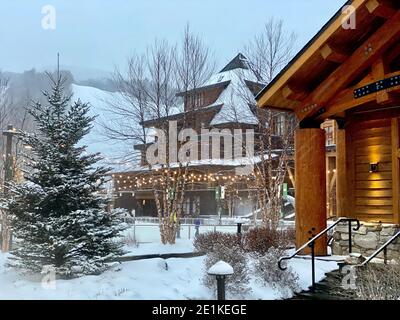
{"type": "Point", "coordinates": [366, 240]}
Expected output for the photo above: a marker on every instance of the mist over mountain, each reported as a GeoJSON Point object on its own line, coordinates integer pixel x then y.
{"type": "Point", "coordinates": [96, 78]}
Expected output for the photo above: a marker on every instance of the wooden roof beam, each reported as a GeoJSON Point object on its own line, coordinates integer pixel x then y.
{"type": "Point", "coordinates": [345, 99]}
{"type": "Point", "coordinates": [294, 94]}
{"type": "Point", "coordinates": [379, 69]}
{"type": "Point", "coordinates": [333, 55]}
{"type": "Point", "coordinates": [392, 54]}
{"type": "Point", "coordinates": [309, 51]}
{"type": "Point", "coordinates": [360, 60]}
{"type": "Point", "coordinates": [380, 8]}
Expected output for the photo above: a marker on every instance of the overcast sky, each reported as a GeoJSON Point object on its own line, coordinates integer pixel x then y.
{"type": "Point", "coordinates": [102, 33]}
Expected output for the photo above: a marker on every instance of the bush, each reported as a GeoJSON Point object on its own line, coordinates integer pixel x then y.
{"type": "Point", "coordinates": [207, 242]}
{"type": "Point", "coordinates": [233, 254]}
{"type": "Point", "coordinates": [130, 240]}
{"type": "Point", "coordinates": [260, 239]}
{"type": "Point", "coordinates": [265, 245]}
{"type": "Point", "coordinates": [378, 282]}
{"type": "Point", "coordinates": [266, 268]}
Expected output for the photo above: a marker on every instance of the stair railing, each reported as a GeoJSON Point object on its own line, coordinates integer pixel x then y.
{"type": "Point", "coordinates": [382, 248]}
{"type": "Point", "coordinates": [311, 244]}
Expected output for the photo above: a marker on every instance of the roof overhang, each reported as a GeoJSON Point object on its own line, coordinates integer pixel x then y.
{"type": "Point", "coordinates": [204, 88]}
{"type": "Point", "coordinates": [321, 80]}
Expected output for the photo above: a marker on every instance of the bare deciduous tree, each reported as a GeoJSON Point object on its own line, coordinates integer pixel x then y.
{"type": "Point", "coordinates": [267, 54]}
{"type": "Point", "coordinates": [274, 145]}
{"type": "Point", "coordinates": [270, 50]}
{"type": "Point", "coordinates": [193, 66]}
{"type": "Point", "coordinates": [194, 63]}
{"type": "Point", "coordinates": [147, 91]}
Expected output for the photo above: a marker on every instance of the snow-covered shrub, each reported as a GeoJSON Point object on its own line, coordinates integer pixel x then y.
{"type": "Point", "coordinates": [207, 242]}
{"type": "Point", "coordinates": [378, 282]}
{"type": "Point", "coordinates": [260, 239]}
{"type": "Point", "coordinates": [131, 240]}
{"type": "Point", "coordinates": [236, 284]}
{"type": "Point", "coordinates": [266, 268]}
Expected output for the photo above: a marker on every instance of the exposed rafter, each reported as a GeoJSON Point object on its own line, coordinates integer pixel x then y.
{"type": "Point", "coordinates": [333, 55]}
{"type": "Point", "coordinates": [379, 69]}
{"type": "Point", "coordinates": [293, 94]}
{"type": "Point", "coordinates": [361, 59]}
{"type": "Point", "coordinates": [275, 87]}
{"type": "Point", "coordinates": [380, 8]}
{"type": "Point", "coordinates": [345, 99]}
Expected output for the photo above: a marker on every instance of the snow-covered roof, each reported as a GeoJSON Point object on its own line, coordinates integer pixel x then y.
{"type": "Point", "coordinates": [236, 98]}
{"type": "Point", "coordinates": [233, 163]}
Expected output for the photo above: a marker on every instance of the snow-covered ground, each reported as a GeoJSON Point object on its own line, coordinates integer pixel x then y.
{"type": "Point", "coordinates": [149, 233]}
{"type": "Point", "coordinates": [143, 279]}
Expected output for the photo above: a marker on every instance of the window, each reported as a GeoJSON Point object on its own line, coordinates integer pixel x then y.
{"type": "Point", "coordinates": [329, 136]}
{"type": "Point", "coordinates": [198, 99]}
{"type": "Point", "coordinates": [330, 132]}
{"type": "Point", "coordinates": [280, 125]}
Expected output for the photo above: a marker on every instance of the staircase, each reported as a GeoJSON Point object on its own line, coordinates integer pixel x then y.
{"type": "Point", "coordinates": [327, 289]}
{"type": "Point", "coordinates": [330, 288]}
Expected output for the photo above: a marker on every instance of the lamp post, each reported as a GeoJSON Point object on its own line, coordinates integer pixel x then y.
{"type": "Point", "coordinates": [239, 223]}
{"type": "Point", "coordinates": [8, 176]}
{"type": "Point", "coordinates": [221, 270]}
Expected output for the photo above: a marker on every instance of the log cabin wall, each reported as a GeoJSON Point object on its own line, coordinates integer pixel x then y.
{"type": "Point", "coordinates": [372, 196]}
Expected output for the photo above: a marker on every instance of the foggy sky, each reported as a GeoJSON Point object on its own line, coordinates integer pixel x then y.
{"type": "Point", "coordinates": [101, 33]}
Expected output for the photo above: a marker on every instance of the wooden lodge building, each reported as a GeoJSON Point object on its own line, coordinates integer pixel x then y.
{"type": "Point", "coordinates": [225, 101]}
{"type": "Point", "coordinates": [350, 73]}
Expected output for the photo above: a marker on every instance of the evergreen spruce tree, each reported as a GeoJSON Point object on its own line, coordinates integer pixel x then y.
{"type": "Point", "coordinates": [57, 215]}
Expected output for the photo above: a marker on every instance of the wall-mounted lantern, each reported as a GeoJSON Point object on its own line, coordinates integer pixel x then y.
{"type": "Point", "coordinates": [374, 167]}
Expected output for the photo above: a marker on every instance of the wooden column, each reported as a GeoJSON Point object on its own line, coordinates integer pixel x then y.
{"type": "Point", "coordinates": [341, 182]}
{"type": "Point", "coordinates": [310, 187]}
{"type": "Point", "coordinates": [396, 170]}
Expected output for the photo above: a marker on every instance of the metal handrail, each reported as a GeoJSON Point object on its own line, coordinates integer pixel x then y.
{"type": "Point", "coordinates": [307, 244]}
{"type": "Point", "coordinates": [311, 244]}
{"type": "Point", "coordinates": [384, 248]}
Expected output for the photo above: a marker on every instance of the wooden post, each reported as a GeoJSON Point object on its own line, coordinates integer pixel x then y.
{"type": "Point", "coordinates": [341, 182]}
{"type": "Point", "coordinates": [8, 176]}
{"type": "Point", "coordinates": [310, 188]}
{"type": "Point", "coordinates": [396, 170]}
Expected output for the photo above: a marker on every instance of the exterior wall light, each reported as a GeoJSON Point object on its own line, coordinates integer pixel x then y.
{"type": "Point", "coordinates": [373, 167]}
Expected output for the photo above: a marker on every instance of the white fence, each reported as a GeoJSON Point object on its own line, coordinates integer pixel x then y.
{"type": "Point", "coordinates": [143, 232]}
{"type": "Point", "coordinates": [191, 221]}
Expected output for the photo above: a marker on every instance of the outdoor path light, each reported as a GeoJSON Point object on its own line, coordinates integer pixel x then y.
{"type": "Point", "coordinates": [221, 270]}
{"type": "Point", "coordinates": [239, 223]}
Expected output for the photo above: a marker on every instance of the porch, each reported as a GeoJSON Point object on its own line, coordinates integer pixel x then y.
{"type": "Point", "coordinates": [352, 76]}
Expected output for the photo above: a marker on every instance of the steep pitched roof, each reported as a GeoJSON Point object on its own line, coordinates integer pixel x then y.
{"type": "Point", "coordinates": [237, 97]}
{"type": "Point", "coordinates": [239, 62]}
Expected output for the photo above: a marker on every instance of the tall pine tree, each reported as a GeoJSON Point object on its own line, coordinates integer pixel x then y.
{"type": "Point", "coordinates": [57, 215]}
